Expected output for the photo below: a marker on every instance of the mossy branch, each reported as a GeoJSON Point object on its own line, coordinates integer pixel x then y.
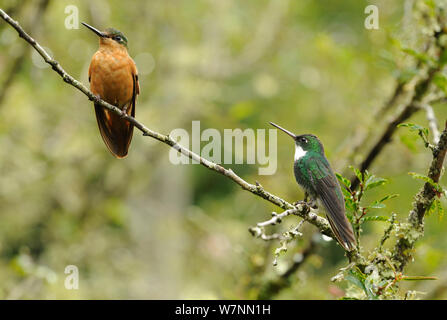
{"type": "Point", "coordinates": [413, 230]}
{"type": "Point", "coordinates": [420, 98]}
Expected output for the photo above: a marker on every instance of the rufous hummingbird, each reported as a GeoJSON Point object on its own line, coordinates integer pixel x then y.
{"type": "Point", "coordinates": [313, 173]}
{"type": "Point", "coordinates": [113, 77]}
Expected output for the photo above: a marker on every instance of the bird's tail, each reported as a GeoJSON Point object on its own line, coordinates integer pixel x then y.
{"type": "Point", "coordinates": [116, 132]}
{"type": "Point", "coordinates": [344, 234]}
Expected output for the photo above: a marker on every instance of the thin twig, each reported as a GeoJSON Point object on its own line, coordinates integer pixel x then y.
{"type": "Point", "coordinates": [406, 113]}
{"type": "Point", "coordinates": [413, 106]}
{"type": "Point", "coordinates": [259, 231]}
{"type": "Point", "coordinates": [421, 96]}
{"type": "Point", "coordinates": [320, 222]}
{"type": "Point", "coordinates": [397, 93]}
{"type": "Point", "coordinates": [276, 218]}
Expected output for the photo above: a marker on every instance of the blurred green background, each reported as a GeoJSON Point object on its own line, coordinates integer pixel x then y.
{"type": "Point", "coordinates": [142, 228]}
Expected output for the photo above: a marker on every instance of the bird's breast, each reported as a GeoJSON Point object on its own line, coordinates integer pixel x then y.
{"type": "Point", "coordinates": [111, 77]}
{"type": "Point", "coordinates": [301, 175]}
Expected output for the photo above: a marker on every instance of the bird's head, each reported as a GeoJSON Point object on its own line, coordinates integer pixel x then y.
{"type": "Point", "coordinates": [110, 37]}
{"type": "Point", "coordinates": [303, 143]}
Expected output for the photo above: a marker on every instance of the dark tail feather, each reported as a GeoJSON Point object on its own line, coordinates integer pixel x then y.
{"type": "Point", "coordinates": [115, 131]}
{"type": "Point", "coordinates": [344, 234]}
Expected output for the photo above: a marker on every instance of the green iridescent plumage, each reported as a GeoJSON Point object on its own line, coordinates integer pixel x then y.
{"type": "Point", "coordinates": [116, 35]}
{"type": "Point", "coordinates": [314, 173]}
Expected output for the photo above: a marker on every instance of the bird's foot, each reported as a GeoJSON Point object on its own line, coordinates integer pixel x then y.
{"type": "Point", "coordinates": [97, 96]}
{"type": "Point", "coordinates": [312, 203]}
{"type": "Point", "coordinates": [297, 203]}
{"type": "Point", "coordinates": [124, 111]}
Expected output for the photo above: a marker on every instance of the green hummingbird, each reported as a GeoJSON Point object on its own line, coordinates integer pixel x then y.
{"type": "Point", "coordinates": [314, 173]}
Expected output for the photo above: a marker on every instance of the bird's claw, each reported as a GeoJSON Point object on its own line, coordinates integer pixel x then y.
{"type": "Point", "coordinates": [124, 112]}
{"type": "Point", "coordinates": [300, 202]}
{"type": "Point", "coordinates": [97, 96]}
{"type": "Point", "coordinates": [312, 204]}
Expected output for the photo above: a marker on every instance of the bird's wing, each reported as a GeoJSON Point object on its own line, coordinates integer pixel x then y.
{"type": "Point", "coordinates": [90, 69]}
{"type": "Point", "coordinates": [136, 86]}
{"type": "Point", "coordinates": [326, 186]}
{"type": "Point", "coordinates": [135, 75]}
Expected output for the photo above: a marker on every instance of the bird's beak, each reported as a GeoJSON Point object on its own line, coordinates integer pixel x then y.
{"type": "Point", "coordinates": [99, 33]}
{"type": "Point", "coordinates": [282, 129]}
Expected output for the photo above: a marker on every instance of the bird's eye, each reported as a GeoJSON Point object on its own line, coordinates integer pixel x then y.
{"type": "Point", "coordinates": [303, 140]}
{"type": "Point", "coordinates": [117, 38]}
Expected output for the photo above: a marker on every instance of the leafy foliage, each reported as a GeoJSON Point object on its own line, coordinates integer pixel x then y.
{"type": "Point", "coordinates": [371, 281]}
{"type": "Point", "coordinates": [422, 132]}
{"type": "Point", "coordinates": [357, 212]}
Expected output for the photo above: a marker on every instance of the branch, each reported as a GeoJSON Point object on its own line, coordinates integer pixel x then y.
{"type": "Point", "coordinates": [420, 97]}
{"type": "Point", "coordinates": [302, 210]}
{"type": "Point", "coordinates": [414, 229]}
{"type": "Point", "coordinates": [398, 92]}
{"type": "Point", "coordinates": [362, 136]}
{"type": "Point", "coordinates": [259, 232]}
{"type": "Point", "coordinates": [417, 101]}
{"type": "Point", "coordinates": [406, 113]}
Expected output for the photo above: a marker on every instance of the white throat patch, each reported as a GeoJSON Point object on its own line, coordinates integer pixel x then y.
{"type": "Point", "coordinates": [299, 153]}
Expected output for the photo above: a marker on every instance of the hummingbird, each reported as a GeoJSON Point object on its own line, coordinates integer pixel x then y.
{"type": "Point", "coordinates": [314, 174]}
{"type": "Point", "coordinates": [113, 77]}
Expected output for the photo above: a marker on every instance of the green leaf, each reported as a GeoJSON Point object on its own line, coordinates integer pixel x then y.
{"type": "Point", "coordinates": [422, 132]}
{"type": "Point", "coordinates": [431, 209]}
{"type": "Point", "coordinates": [374, 182]}
{"type": "Point", "coordinates": [356, 278]}
{"type": "Point", "coordinates": [439, 209]}
{"type": "Point", "coordinates": [422, 177]}
{"type": "Point", "coordinates": [378, 204]}
{"type": "Point", "coordinates": [429, 180]}
{"type": "Point", "coordinates": [376, 218]}
{"type": "Point", "coordinates": [343, 180]}
{"type": "Point", "coordinates": [349, 204]}
{"type": "Point", "coordinates": [388, 197]}
{"type": "Point", "coordinates": [413, 127]}
{"type": "Point", "coordinates": [346, 193]}
{"type": "Point", "coordinates": [419, 56]}
{"type": "Point", "coordinates": [349, 216]}
{"type": "Point", "coordinates": [369, 291]}
{"type": "Point", "coordinates": [357, 173]}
